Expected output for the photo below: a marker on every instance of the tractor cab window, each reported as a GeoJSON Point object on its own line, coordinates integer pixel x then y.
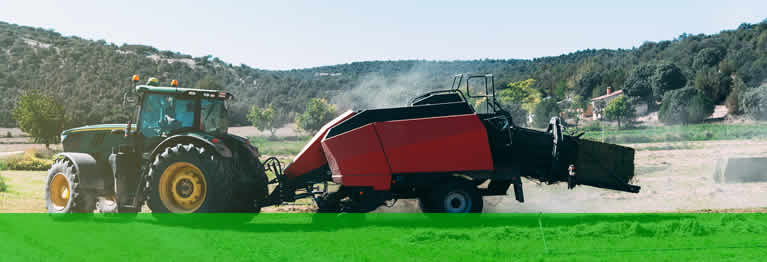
{"type": "Point", "coordinates": [163, 114]}
{"type": "Point", "coordinates": [214, 116]}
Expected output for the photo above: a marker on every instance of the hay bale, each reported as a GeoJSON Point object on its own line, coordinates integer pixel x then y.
{"type": "Point", "coordinates": [741, 170]}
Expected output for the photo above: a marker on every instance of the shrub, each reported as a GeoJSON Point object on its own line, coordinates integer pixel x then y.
{"type": "Point", "coordinates": [3, 186]}
{"type": "Point", "coordinates": [594, 126]}
{"type": "Point", "coordinates": [45, 153]}
{"type": "Point", "coordinates": [8, 134]}
{"type": "Point", "coordinates": [29, 161]}
{"type": "Point", "coordinates": [684, 106]}
{"type": "Point", "coordinates": [754, 103]}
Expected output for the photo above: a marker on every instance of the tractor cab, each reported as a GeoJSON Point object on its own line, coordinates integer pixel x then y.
{"type": "Point", "coordinates": [167, 111]}
{"type": "Point", "coordinates": [164, 111]}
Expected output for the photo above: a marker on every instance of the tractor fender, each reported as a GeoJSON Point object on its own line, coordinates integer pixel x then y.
{"type": "Point", "coordinates": [88, 169]}
{"type": "Point", "coordinates": [220, 147]}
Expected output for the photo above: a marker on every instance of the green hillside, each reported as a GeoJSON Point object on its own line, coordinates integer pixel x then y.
{"type": "Point", "coordinates": [89, 76]}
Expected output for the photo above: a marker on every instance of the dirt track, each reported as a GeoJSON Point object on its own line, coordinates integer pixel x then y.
{"type": "Point", "coordinates": [671, 180]}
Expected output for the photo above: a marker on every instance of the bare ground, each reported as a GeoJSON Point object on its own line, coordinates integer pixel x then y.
{"type": "Point", "coordinates": [676, 180]}
{"type": "Point", "coordinates": [671, 180]}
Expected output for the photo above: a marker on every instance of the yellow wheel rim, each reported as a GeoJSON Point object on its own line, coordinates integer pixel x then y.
{"type": "Point", "coordinates": [59, 191]}
{"type": "Point", "coordinates": [182, 188]}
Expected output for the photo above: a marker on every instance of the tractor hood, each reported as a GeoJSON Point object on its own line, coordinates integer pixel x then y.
{"type": "Point", "coordinates": [94, 128]}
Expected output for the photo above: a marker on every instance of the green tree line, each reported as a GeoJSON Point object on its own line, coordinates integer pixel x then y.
{"type": "Point", "coordinates": [88, 77]}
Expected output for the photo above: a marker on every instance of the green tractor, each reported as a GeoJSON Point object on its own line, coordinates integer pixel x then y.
{"type": "Point", "coordinates": [176, 158]}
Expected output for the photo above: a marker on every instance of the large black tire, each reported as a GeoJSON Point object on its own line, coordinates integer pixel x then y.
{"type": "Point", "coordinates": [225, 189]}
{"type": "Point", "coordinates": [251, 187]}
{"type": "Point", "coordinates": [62, 192]}
{"type": "Point", "coordinates": [453, 197]}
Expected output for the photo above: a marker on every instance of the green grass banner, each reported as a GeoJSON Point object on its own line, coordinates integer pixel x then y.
{"type": "Point", "coordinates": [385, 237]}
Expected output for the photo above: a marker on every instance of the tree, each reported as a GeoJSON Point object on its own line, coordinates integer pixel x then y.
{"type": "Point", "coordinates": [667, 77]}
{"type": "Point", "coordinates": [639, 84]}
{"type": "Point", "coordinates": [713, 84]}
{"type": "Point", "coordinates": [318, 112]}
{"type": "Point", "coordinates": [733, 99]}
{"type": "Point", "coordinates": [518, 114]}
{"type": "Point", "coordinates": [40, 116]}
{"type": "Point", "coordinates": [707, 57]}
{"type": "Point", "coordinates": [619, 109]}
{"type": "Point", "coordinates": [577, 106]}
{"type": "Point", "coordinates": [208, 82]}
{"type": "Point", "coordinates": [544, 111]}
{"type": "Point", "coordinates": [586, 84]}
{"type": "Point", "coordinates": [684, 106]}
{"type": "Point", "coordinates": [263, 119]}
{"type": "Point", "coordinates": [522, 93]}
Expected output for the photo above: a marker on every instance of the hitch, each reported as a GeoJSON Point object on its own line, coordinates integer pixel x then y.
{"type": "Point", "coordinates": [571, 177]}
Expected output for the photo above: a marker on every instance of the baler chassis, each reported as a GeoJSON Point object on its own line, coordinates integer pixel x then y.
{"type": "Point", "coordinates": [443, 152]}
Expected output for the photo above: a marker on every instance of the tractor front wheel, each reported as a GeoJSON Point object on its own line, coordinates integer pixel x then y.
{"type": "Point", "coordinates": [62, 194]}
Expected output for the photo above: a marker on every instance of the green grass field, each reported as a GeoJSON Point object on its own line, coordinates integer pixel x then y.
{"type": "Point", "coordinates": [276, 146]}
{"type": "Point", "coordinates": [390, 237]}
{"type": "Point", "coordinates": [696, 132]}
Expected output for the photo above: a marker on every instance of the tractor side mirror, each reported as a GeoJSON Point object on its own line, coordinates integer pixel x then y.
{"type": "Point", "coordinates": [129, 99]}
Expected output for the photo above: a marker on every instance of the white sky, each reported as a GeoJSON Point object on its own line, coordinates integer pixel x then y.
{"type": "Point", "coordinates": [299, 34]}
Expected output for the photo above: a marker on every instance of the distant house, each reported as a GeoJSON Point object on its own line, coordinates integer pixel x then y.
{"type": "Point", "coordinates": [598, 103]}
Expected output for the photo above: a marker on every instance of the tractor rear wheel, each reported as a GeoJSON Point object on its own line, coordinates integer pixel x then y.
{"type": "Point", "coordinates": [62, 194]}
{"type": "Point", "coordinates": [250, 187]}
{"type": "Point", "coordinates": [454, 197]}
{"type": "Point", "coordinates": [192, 179]}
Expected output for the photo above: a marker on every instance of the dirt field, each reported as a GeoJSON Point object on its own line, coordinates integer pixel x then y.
{"type": "Point", "coordinates": [672, 180]}
{"type": "Point", "coordinates": [25, 192]}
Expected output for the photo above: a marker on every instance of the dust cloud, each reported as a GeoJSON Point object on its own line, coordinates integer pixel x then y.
{"type": "Point", "coordinates": [379, 91]}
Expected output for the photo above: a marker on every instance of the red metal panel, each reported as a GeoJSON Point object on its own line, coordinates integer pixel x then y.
{"type": "Point", "coordinates": [356, 158]}
{"type": "Point", "coordinates": [311, 157]}
{"type": "Point", "coordinates": [438, 144]}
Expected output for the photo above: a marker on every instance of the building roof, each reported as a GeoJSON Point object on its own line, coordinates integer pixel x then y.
{"type": "Point", "coordinates": [616, 93]}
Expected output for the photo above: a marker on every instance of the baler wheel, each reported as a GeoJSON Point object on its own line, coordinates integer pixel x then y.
{"type": "Point", "coordinates": [62, 194]}
{"type": "Point", "coordinates": [455, 197]}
